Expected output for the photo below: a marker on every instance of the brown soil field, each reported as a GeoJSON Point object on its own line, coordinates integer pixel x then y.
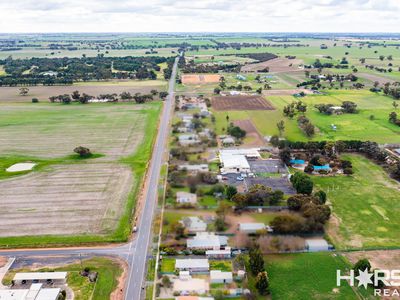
{"type": "Point", "coordinates": [381, 79]}
{"type": "Point", "coordinates": [240, 103]}
{"type": "Point", "coordinates": [70, 199]}
{"type": "Point", "coordinates": [11, 94]}
{"type": "Point", "coordinates": [379, 259]}
{"type": "Point", "coordinates": [200, 78]}
{"type": "Point", "coordinates": [276, 65]}
{"type": "Point", "coordinates": [252, 134]}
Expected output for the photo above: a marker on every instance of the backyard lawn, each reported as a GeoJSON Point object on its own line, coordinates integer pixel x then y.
{"type": "Point", "coordinates": [168, 265]}
{"type": "Point", "coordinates": [366, 206]}
{"type": "Point", "coordinates": [223, 265]}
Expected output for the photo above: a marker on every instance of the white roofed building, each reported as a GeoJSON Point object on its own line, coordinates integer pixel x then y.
{"type": "Point", "coordinates": [218, 276]}
{"type": "Point", "coordinates": [251, 228]}
{"type": "Point", "coordinates": [193, 265]}
{"type": "Point", "coordinates": [236, 160]}
{"type": "Point", "coordinates": [194, 224]}
{"type": "Point", "coordinates": [207, 241]}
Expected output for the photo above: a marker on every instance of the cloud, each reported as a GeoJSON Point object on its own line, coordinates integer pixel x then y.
{"type": "Point", "coordinates": [199, 15]}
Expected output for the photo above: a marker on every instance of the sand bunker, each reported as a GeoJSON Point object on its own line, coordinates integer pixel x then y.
{"type": "Point", "coordinates": [21, 167]}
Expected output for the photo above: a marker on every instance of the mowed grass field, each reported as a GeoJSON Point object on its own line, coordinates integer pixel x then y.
{"type": "Point", "coordinates": [66, 200]}
{"type": "Point", "coordinates": [360, 126]}
{"type": "Point", "coordinates": [307, 276]}
{"type": "Point", "coordinates": [366, 206]}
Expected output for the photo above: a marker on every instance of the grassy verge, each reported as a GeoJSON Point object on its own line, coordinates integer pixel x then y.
{"type": "Point", "coordinates": [138, 162]}
{"type": "Point", "coordinates": [108, 273]}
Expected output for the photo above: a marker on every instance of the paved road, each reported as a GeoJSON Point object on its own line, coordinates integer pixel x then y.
{"type": "Point", "coordinates": [136, 251]}
{"type": "Point", "coordinates": [140, 250]}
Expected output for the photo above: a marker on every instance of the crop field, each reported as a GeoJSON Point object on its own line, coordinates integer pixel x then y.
{"type": "Point", "coordinates": [225, 103]}
{"type": "Point", "coordinates": [200, 78]}
{"type": "Point", "coordinates": [72, 198]}
{"type": "Point", "coordinates": [11, 94]}
{"type": "Point", "coordinates": [365, 205]}
{"type": "Point", "coordinates": [308, 276]}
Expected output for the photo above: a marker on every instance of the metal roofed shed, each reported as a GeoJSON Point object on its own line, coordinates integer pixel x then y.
{"type": "Point", "coordinates": [192, 264]}
{"type": "Point", "coordinates": [30, 276]}
{"type": "Point", "coordinates": [316, 245]}
{"type": "Point", "coordinates": [251, 228]}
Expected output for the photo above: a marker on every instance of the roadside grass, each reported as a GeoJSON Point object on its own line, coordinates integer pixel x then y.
{"type": "Point", "coordinates": [365, 205]}
{"type": "Point", "coordinates": [167, 265]}
{"type": "Point", "coordinates": [223, 265]}
{"type": "Point", "coordinates": [108, 273]}
{"type": "Point", "coordinates": [308, 276]}
{"type": "Point", "coordinates": [137, 161]}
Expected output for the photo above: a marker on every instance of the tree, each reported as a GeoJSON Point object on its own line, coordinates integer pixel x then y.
{"type": "Point", "coordinates": [321, 195]}
{"type": "Point", "coordinates": [75, 95]}
{"type": "Point", "coordinates": [35, 100]}
{"type": "Point", "coordinates": [166, 282]}
{"type": "Point", "coordinates": [395, 104]}
{"type": "Point", "coordinates": [83, 151]}
{"type": "Point", "coordinates": [217, 91]}
{"type": "Point", "coordinates": [392, 117]}
{"type": "Point", "coordinates": [23, 91]}
{"type": "Point", "coordinates": [230, 191]}
{"type": "Point", "coordinates": [256, 260]}
{"type": "Point", "coordinates": [285, 156]}
{"type": "Point", "coordinates": [163, 95]}
{"type": "Point", "coordinates": [281, 127]}
{"type": "Point", "coordinates": [361, 265]}
{"type": "Point", "coordinates": [302, 183]}
{"type": "Point", "coordinates": [240, 200]}
{"type": "Point", "coordinates": [178, 229]}
{"type": "Point", "coordinates": [262, 283]}
{"type": "Point", "coordinates": [219, 224]}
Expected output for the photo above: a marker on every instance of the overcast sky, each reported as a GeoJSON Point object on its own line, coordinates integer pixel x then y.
{"type": "Point", "coordinates": [199, 15]}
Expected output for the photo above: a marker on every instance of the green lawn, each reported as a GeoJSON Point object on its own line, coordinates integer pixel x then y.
{"type": "Point", "coordinates": [307, 276]}
{"type": "Point", "coordinates": [168, 265]}
{"type": "Point", "coordinates": [208, 201]}
{"type": "Point", "coordinates": [223, 265]}
{"type": "Point", "coordinates": [366, 206]}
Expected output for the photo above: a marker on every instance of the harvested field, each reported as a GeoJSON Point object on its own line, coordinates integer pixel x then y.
{"type": "Point", "coordinates": [71, 199]}
{"type": "Point", "coordinates": [200, 78]}
{"type": "Point", "coordinates": [379, 259]}
{"type": "Point", "coordinates": [241, 103]}
{"type": "Point", "coordinates": [54, 130]}
{"type": "Point", "coordinates": [253, 137]}
{"type": "Point", "coordinates": [276, 65]}
{"type": "Point", "coordinates": [381, 79]}
{"type": "Point", "coordinates": [73, 196]}
{"type": "Point", "coordinates": [11, 94]}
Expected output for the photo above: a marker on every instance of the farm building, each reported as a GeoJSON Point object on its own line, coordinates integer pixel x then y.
{"type": "Point", "coordinates": [194, 224]}
{"type": "Point", "coordinates": [219, 254]}
{"type": "Point", "coordinates": [190, 286]}
{"type": "Point", "coordinates": [193, 265]}
{"type": "Point", "coordinates": [217, 276]}
{"type": "Point", "coordinates": [315, 245]}
{"type": "Point", "coordinates": [236, 160]}
{"type": "Point", "coordinates": [35, 292]}
{"type": "Point", "coordinates": [207, 240]}
{"type": "Point", "coordinates": [251, 228]}
{"type": "Point", "coordinates": [41, 277]}
{"type": "Point", "coordinates": [185, 197]}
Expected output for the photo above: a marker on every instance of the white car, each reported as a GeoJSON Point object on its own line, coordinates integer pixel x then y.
{"type": "Point", "coordinates": [239, 178]}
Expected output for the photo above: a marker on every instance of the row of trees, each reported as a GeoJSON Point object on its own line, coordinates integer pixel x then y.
{"type": "Point", "coordinates": [328, 109]}
{"type": "Point", "coordinates": [84, 98]}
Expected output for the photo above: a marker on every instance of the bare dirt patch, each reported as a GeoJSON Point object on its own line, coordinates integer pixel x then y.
{"type": "Point", "coordinates": [253, 137]}
{"type": "Point", "coordinates": [381, 79]}
{"type": "Point", "coordinates": [200, 78]}
{"type": "Point", "coordinates": [276, 65]}
{"type": "Point", "coordinates": [71, 199]}
{"type": "Point", "coordinates": [225, 103]}
{"type": "Point", "coordinates": [118, 293]}
{"type": "Point", "coordinates": [379, 259]}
